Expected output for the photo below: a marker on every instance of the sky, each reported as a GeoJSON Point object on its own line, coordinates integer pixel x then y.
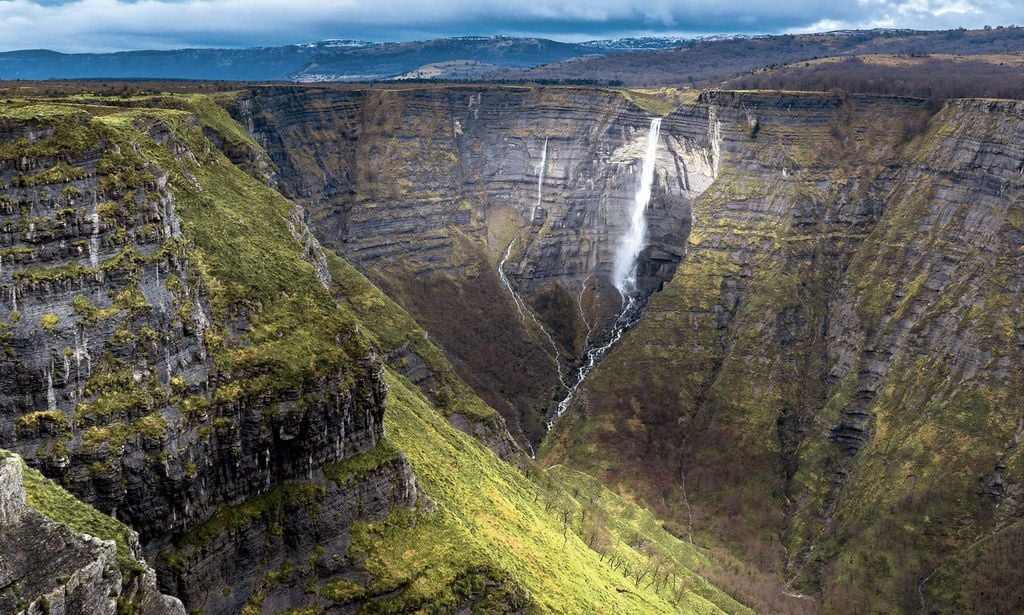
{"type": "Point", "coordinates": [115, 25]}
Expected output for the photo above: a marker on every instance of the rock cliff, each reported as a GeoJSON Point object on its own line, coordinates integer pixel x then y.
{"type": "Point", "coordinates": [831, 379]}
{"type": "Point", "coordinates": [425, 189]}
{"type": "Point", "coordinates": [142, 364]}
{"type": "Point", "coordinates": [825, 380]}
{"type": "Point", "coordinates": [110, 381]}
{"type": "Point", "coordinates": [48, 567]}
{"type": "Point", "coordinates": [181, 351]}
{"type": "Point", "coordinates": [837, 330]}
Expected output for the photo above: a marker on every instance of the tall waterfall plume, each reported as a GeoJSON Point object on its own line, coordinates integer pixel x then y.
{"type": "Point", "coordinates": [624, 267]}
{"type": "Point", "coordinates": [623, 275]}
{"type": "Point", "coordinates": [540, 179]}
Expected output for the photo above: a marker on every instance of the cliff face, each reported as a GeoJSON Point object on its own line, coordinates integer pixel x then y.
{"type": "Point", "coordinates": [230, 400]}
{"type": "Point", "coordinates": [49, 568]}
{"type": "Point", "coordinates": [841, 334]}
{"type": "Point", "coordinates": [143, 363]}
{"type": "Point", "coordinates": [264, 552]}
{"type": "Point", "coordinates": [835, 367]}
{"type": "Point", "coordinates": [425, 189]}
{"type": "Point", "coordinates": [109, 371]}
{"type": "Point", "coordinates": [831, 328]}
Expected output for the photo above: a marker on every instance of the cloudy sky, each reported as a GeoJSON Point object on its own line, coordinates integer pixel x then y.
{"type": "Point", "coordinates": [108, 25]}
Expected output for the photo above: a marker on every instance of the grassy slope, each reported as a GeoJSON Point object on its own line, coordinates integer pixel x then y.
{"type": "Point", "coordinates": [50, 499]}
{"type": "Point", "coordinates": [237, 229]}
{"type": "Point", "coordinates": [250, 264]}
{"type": "Point", "coordinates": [489, 516]}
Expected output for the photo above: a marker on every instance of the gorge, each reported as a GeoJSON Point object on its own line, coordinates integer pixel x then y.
{"type": "Point", "coordinates": [765, 348]}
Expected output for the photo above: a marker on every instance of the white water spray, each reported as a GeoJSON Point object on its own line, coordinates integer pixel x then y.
{"type": "Point", "coordinates": [624, 267]}
{"type": "Point", "coordinates": [540, 179]}
{"type": "Point", "coordinates": [94, 240]}
{"type": "Point", "coordinates": [51, 395]}
{"type": "Point", "coordinates": [507, 284]}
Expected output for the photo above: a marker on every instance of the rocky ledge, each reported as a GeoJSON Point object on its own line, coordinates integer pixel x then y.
{"type": "Point", "coordinates": [46, 567]}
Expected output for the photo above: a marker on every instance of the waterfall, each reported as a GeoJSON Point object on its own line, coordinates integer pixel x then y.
{"type": "Point", "coordinates": [524, 311]}
{"type": "Point", "coordinates": [623, 273]}
{"type": "Point", "coordinates": [624, 267]}
{"type": "Point", "coordinates": [540, 179]}
{"type": "Point", "coordinates": [583, 313]}
{"type": "Point", "coordinates": [82, 352]}
{"type": "Point", "coordinates": [507, 284]}
{"type": "Point", "coordinates": [167, 363]}
{"type": "Point", "coordinates": [94, 240]}
{"type": "Point", "coordinates": [67, 368]}
{"type": "Point", "coordinates": [51, 395]}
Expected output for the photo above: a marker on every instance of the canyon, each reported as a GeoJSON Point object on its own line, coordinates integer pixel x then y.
{"type": "Point", "coordinates": [266, 329]}
{"type": "Point", "coordinates": [833, 284]}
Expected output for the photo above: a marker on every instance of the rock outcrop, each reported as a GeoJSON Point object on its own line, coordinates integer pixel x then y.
{"type": "Point", "coordinates": [46, 568]}
{"type": "Point", "coordinates": [108, 380]}
{"type": "Point", "coordinates": [148, 378]}
{"type": "Point", "coordinates": [266, 551]}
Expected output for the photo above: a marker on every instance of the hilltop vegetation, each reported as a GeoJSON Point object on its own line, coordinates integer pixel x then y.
{"type": "Point", "coordinates": [703, 63]}
{"type": "Point", "coordinates": [933, 76]}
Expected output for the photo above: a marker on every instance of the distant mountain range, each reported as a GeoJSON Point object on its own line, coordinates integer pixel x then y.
{"type": "Point", "coordinates": [329, 60]}
{"type": "Point", "coordinates": [648, 60]}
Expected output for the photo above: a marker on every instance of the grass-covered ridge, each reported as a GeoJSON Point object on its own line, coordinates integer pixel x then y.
{"type": "Point", "coordinates": [251, 266]}
{"type": "Point", "coordinates": [490, 516]}
{"type": "Point", "coordinates": [235, 228]}
{"type": "Point", "coordinates": [47, 497]}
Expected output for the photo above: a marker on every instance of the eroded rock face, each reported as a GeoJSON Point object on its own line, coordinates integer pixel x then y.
{"type": "Point", "coordinates": [303, 537]}
{"type": "Point", "coordinates": [108, 337]}
{"type": "Point", "coordinates": [45, 568]}
{"type": "Point", "coordinates": [107, 382]}
{"type": "Point", "coordinates": [851, 290]}
{"type": "Point", "coordinates": [424, 189]}
{"type": "Point", "coordinates": [390, 175]}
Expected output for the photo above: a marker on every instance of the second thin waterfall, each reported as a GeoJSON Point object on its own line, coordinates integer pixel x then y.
{"type": "Point", "coordinates": [624, 267]}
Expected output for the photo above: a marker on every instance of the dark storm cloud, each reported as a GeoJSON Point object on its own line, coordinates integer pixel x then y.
{"type": "Point", "coordinates": [86, 25]}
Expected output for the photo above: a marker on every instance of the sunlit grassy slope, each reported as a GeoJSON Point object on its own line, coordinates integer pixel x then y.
{"type": "Point", "coordinates": [491, 516]}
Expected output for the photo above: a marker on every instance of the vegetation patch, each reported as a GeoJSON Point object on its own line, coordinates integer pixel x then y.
{"type": "Point", "coordinates": [491, 517]}
{"type": "Point", "coordinates": [271, 506]}
{"type": "Point", "coordinates": [51, 500]}
{"type": "Point", "coordinates": [359, 466]}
